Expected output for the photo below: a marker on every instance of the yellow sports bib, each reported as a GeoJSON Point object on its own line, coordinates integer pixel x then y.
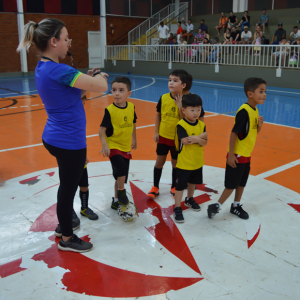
{"type": "Point", "coordinates": [169, 117]}
{"type": "Point", "coordinates": [190, 157]}
{"type": "Point", "coordinates": [245, 147]}
{"type": "Point", "coordinates": [122, 122]}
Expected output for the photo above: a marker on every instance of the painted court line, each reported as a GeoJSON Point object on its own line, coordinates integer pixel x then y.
{"type": "Point", "coordinates": [37, 145]}
{"type": "Point", "coordinates": [279, 169]}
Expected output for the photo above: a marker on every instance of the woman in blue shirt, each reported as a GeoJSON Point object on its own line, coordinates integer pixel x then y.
{"type": "Point", "coordinates": [61, 88]}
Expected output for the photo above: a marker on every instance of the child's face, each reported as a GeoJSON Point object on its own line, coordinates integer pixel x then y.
{"type": "Point", "coordinates": [120, 92]}
{"type": "Point", "coordinates": [175, 84]}
{"type": "Point", "coordinates": [259, 95]}
{"type": "Point", "coordinates": [192, 113]}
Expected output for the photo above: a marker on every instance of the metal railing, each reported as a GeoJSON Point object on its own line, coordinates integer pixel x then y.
{"type": "Point", "coordinates": [172, 18]}
{"type": "Point", "coordinates": [287, 56]}
{"type": "Point", "coordinates": [136, 34]}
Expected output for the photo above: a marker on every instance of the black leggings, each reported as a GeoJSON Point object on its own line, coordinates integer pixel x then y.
{"type": "Point", "coordinates": [70, 166]}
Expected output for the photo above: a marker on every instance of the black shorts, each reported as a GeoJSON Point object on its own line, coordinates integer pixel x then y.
{"type": "Point", "coordinates": [235, 177]}
{"type": "Point", "coordinates": [163, 149]}
{"type": "Point", "coordinates": [120, 166]}
{"type": "Point", "coordinates": [84, 180]}
{"type": "Point", "coordinates": [188, 176]}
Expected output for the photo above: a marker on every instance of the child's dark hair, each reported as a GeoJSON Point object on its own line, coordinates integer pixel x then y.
{"type": "Point", "coordinates": [123, 79]}
{"type": "Point", "coordinates": [216, 39]}
{"type": "Point", "coordinates": [185, 77]}
{"type": "Point", "coordinates": [252, 83]}
{"type": "Point", "coordinates": [191, 100]}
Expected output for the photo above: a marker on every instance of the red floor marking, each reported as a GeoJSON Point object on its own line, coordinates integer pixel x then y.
{"type": "Point", "coordinates": [50, 174]}
{"type": "Point", "coordinates": [47, 221]}
{"type": "Point", "coordinates": [166, 231]}
{"type": "Point", "coordinates": [32, 180]}
{"type": "Point", "coordinates": [202, 187]}
{"type": "Point", "coordinates": [97, 279]}
{"type": "Point", "coordinates": [11, 268]}
{"type": "Point", "coordinates": [295, 206]}
{"type": "Point", "coordinates": [46, 189]}
{"type": "Point", "coordinates": [251, 242]}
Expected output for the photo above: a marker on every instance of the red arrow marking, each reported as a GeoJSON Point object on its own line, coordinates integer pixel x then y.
{"type": "Point", "coordinates": [50, 174]}
{"type": "Point", "coordinates": [166, 232]}
{"type": "Point", "coordinates": [295, 206]}
{"type": "Point", "coordinates": [202, 187]}
{"type": "Point", "coordinates": [251, 242]}
{"type": "Point", "coordinates": [29, 180]}
{"type": "Point", "coordinates": [11, 268]}
{"type": "Point", "coordinates": [47, 221]}
{"type": "Point", "coordinates": [93, 278]}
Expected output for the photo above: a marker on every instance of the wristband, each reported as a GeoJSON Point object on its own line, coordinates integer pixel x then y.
{"type": "Point", "coordinates": [96, 73]}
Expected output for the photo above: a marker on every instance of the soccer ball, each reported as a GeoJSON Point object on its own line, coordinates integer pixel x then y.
{"type": "Point", "coordinates": [127, 212]}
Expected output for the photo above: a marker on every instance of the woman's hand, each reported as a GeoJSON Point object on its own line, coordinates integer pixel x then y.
{"type": "Point", "coordinates": [86, 161]}
{"type": "Point", "coordinates": [91, 72]}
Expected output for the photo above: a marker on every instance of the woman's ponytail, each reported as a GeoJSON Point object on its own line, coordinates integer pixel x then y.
{"type": "Point", "coordinates": [27, 36]}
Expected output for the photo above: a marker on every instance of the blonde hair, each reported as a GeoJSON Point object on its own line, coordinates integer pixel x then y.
{"type": "Point", "coordinates": [40, 33]}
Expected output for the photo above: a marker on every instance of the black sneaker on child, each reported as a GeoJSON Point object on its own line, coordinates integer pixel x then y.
{"type": "Point", "coordinates": [114, 204]}
{"type": "Point", "coordinates": [75, 225]}
{"type": "Point", "coordinates": [87, 212]}
{"type": "Point", "coordinates": [123, 200]}
{"type": "Point", "coordinates": [75, 217]}
{"type": "Point", "coordinates": [212, 209]}
{"type": "Point", "coordinates": [190, 202]}
{"type": "Point", "coordinates": [238, 210]}
{"type": "Point", "coordinates": [178, 216]}
{"type": "Point", "coordinates": [75, 244]}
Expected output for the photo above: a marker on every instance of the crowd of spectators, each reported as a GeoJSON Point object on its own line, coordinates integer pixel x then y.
{"type": "Point", "coordinates": [232, 36]}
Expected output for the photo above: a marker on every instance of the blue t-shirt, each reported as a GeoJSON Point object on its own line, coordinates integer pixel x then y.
{"type": "Point", "coordinates": [66, 124]}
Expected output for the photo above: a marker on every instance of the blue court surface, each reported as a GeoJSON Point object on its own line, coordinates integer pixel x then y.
{"type": "Point", "coordinates": [282, 105]}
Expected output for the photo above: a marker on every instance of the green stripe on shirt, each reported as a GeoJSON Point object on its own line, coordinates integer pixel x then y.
{"type": "Point", "coordinates": [75, 78]}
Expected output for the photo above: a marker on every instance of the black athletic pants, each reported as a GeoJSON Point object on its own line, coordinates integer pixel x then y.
{"type": "Point", "coordinates": [70, 166]}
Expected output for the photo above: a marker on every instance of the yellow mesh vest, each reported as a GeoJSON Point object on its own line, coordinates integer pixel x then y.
{"type": "Point", "coordinates": [122, 122]}
{"type": "Point", "coordinates": [190, 157]}
{"type": "Point", "coordinates": [245, 147]}
{"type": "Point", "coordinates": [169, 117]}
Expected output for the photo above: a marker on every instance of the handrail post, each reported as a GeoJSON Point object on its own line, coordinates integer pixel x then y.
{"type": "Point", "coordinates": [278, 71]}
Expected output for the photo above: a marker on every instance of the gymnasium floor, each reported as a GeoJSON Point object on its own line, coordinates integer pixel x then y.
{"type": "Point", "coordinates": [152, 257]}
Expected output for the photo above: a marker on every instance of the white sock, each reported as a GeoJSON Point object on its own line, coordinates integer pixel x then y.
{"type": "Point", "coordinates": [236, 203]}
{"type": "Point", "coordinates": [116, 199]}
{"type": "Point", "coordinates": [219, 205]}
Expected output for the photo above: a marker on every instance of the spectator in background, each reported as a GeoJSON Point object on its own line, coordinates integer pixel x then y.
{"type": "Point", "coordinates": [295, 36]}
{"type": "Point", "coordinates": [284, 52]}
{"type": "Point", "coordinates": [163, 31]}
{"type": "Point", "coordinates": [233, 21]}
{"type": "Point", "coordinates": [173, 49]}
{"type": "Point", "coordinates": [280, 34]}
{"type": "Point", "coordinates": [222, 23]}
{"type": "Point", "coordinates": [245, 21]}
{"type": "Point", "coordinates": [171, 38]}
{"type": "Point", "coordinates": [235, 37]}
{"type": "Point", "coordinates": [257, 41]}
{"type": "Point", "coordinates": [179, 31]}
{"type": "Point", "coordinates": [215, 51]}
{"type": "Point", "coordinates": [203, 26]}
{"type": "Point", "coordinates": [181, 50]}
{"type": "Point", "coordinates": [227, 36]}
{"type": "Point", "coordinates": [264, 20]}
{"type": "Point", "coordinates": [174, 42]}
{"type": "Point", "coordinates": [200, 35]}
{"type": "Point", "coordinates": [189, 29]}
{"type": "Point", "coordinates": [246, 37]}
{"type": "Point", "coordinates": [205, 50]}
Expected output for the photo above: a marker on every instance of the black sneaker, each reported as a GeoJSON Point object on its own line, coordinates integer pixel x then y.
{"type": "Point", "coordinates": [75, 225]}
{"type": "Point", "coordinates": [75, 217]}
{"type": "Point", "coordinates": [192, 204]}
{"type": "Point", "coordinates": [178, 216]}
{"type": "Point", "coordinates": [114, 204]}
{"type": "Point", "coordinates": [123, 200]}
{"type": "Point", "coordinates": [87, 212]}
{"type": "Point", "coordinates": [238, 210]}
{"type": "Point", "coordinates": [212, 209]}
{"type": "Point", "coordinates": [75, 244]}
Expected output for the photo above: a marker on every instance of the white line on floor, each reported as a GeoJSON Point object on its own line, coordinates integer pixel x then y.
{"type": "Point", "coordinates": [279, 169]}
{"type": "Point", "coordinates": [88, 136]}
{"type": "Point", "coordinates": [34, 104]}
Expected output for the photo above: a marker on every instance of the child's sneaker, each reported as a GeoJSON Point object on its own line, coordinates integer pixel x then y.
{"type": "Point", "coordinates": [114, 204]}
{"type": "Point", "coordinates": [74, 244]}
{"type": "Point", "coordinates": [87, 212]}
{"type": "Point", "coordinates": [238, 210]}
{"type": "Point", "coordinates": [172, 191]}
{"type": "Point", "coordinates": [75, 225]}
{"type": "Point", "coordinates": [178, 216]}
{"type": "Point", "coordinates": [123, 200]}
{"type": "Point", "coordinates": [192, 204]}
{"type": "Point", "coordinates": [154, 192]}
{"type": "Point", "coordinates": [212, 209]}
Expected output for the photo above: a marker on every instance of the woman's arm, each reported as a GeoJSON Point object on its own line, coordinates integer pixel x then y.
{"type": "Point", "coordinates": [96, 84]}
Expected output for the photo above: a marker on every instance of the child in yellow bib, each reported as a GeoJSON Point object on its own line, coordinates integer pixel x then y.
{"type": "Point", "coordinates": [118, 136]}
{"type": "Point", "coordinates": [247, 125]}
{"type": "Point", "coordinates": [167, 116]}
{"type": "Point", "coordinates": [190, 138]}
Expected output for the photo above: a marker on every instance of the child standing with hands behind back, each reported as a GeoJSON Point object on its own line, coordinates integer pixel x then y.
{"type": "Point", "coordinates": [247, 125]}
{"type": "Point", "coordinates": [118, 136]}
